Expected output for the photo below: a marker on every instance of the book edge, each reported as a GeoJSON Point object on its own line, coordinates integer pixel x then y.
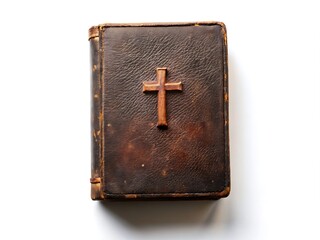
{"type": "Point", "coordinates": [93, 29]}
{"type": "Point", "coordinates": [97, 161]}
{"type": "Point", "coordinates": [170, 196]}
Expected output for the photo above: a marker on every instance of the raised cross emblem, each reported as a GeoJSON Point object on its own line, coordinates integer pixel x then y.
{"type": "Point", "coordinates": [161, 86]}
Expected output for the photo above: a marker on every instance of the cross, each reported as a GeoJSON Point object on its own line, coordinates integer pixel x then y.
{"type": "Point", "coordinates": [161, 87]}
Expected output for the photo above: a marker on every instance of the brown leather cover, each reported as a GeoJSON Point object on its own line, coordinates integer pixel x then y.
{"type": "Point", "coordinates": [131, 157]}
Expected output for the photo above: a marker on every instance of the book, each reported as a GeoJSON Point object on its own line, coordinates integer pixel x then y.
{"type": "Point", "coordinates": [159, 114]}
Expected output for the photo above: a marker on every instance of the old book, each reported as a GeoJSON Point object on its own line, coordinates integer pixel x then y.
{"type": "Point", "coordinates": [159, 111]}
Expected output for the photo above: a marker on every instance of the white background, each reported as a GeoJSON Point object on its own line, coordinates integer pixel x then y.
{"type": "Point", "coordinates": [274, 60]}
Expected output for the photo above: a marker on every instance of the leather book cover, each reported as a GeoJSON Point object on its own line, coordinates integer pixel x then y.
{"type": "Point", "coordinates": [159, 111]}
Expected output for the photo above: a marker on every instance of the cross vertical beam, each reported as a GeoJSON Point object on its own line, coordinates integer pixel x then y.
{"type": "Point", "coordinates": [162, 110]}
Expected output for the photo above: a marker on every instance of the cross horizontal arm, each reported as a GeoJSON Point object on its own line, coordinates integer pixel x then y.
{"type": "Point", "coordinates": [151, 86]}
{"type": "Point", "coordinates": [173, 86]}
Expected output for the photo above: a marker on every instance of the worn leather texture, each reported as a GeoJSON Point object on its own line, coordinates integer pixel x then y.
{"type": "Point", "coordinates": [189, 159]}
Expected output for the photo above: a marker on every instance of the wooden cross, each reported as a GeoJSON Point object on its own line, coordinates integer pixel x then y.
{"type": "Point", "coordinates": [161, 87]}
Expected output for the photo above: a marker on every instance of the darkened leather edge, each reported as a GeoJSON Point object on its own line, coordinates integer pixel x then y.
{"type": "Point", "coordinates": [226, 110]}
{"type": "Point", "coordinates": [96, 116]}
{"type": "Point", "coordinates": [170, 196]}
{"type": "Point", "coordinates": [163, 196]}
{"type": "Point", "coordinates": [157, 24]}
{"type": "Point", "coordinates": [93, 32]}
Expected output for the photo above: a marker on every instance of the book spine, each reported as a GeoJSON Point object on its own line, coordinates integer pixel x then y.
{"type": "Point", "coordinates": [96, 115]}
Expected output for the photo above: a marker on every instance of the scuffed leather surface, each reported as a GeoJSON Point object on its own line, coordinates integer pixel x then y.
{"type": "Point", "coordinates": [188, 157]}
